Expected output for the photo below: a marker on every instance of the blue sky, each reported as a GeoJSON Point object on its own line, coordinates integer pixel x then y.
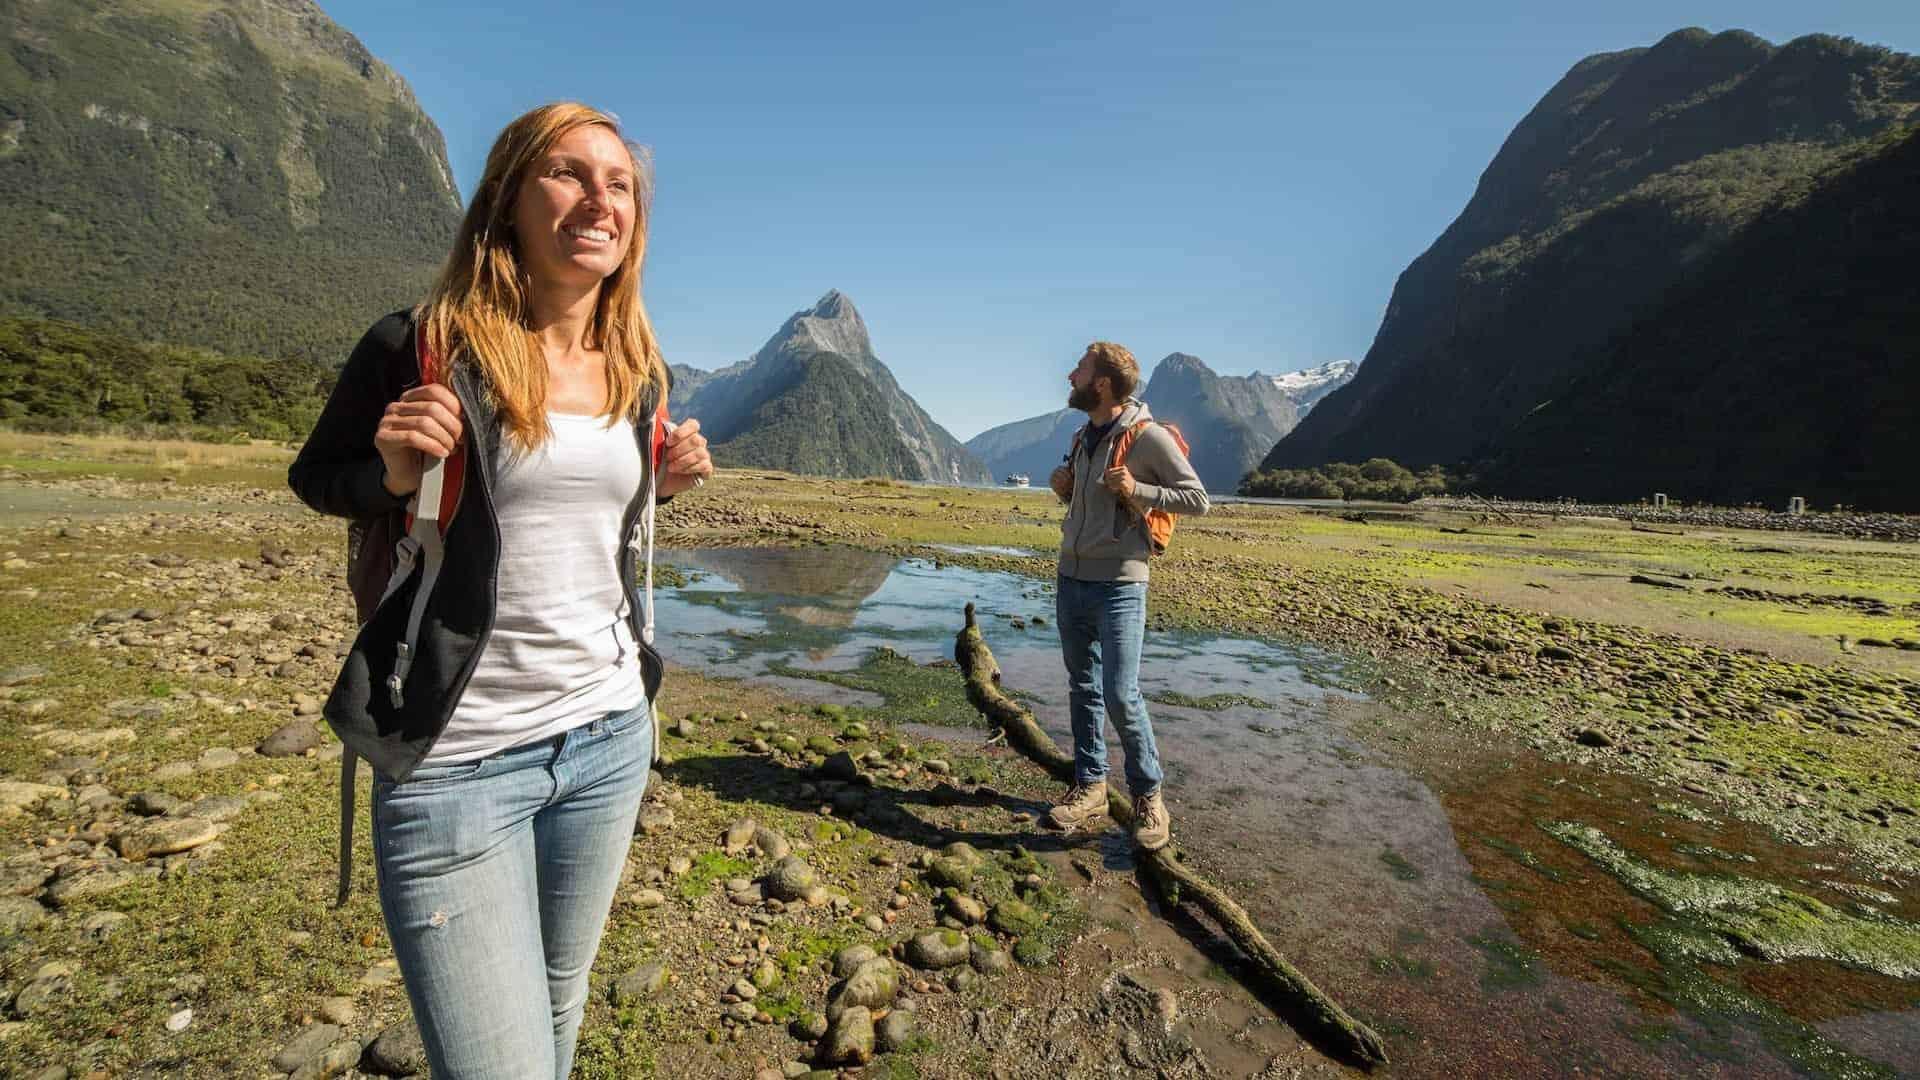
{"type": "Point", "coordinates": [995, 184]}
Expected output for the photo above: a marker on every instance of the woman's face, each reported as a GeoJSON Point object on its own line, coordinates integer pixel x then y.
{"type": "Point", "coordinates": [574, 214]}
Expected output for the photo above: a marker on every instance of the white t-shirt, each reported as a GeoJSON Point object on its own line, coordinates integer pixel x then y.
{"type": "Point", "coordinates": [561, 653]}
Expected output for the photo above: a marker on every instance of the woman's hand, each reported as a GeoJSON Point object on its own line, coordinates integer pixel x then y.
{"type": "Point", "coordinates": [426, 420]}
{"type": "Point", "coordinates": [687, 462]}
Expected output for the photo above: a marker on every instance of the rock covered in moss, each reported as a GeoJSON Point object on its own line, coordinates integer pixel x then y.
{"type": "Point", "coordinates": [848, 960]}
{"type": "Point", "coordinates": [850, 1039]}
{"type": "Point", "coordinates": [895, 1031]}
{"type": "Point", "coordinates": [808, 1027]}
{"type": "Point", "coordinates": [792, 879]}
{"type": "Point", "coordinates": [937, 950]}
{"type": "Point", "coordinates": [873, 985]}
{"type": "Point", "coordinates": [988, 958]}
{"type": "Point", "coordinates": [1014, 917]}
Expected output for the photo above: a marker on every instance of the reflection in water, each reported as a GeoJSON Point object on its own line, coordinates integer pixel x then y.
{"type": "Point", "coordinates": [825, 607]}
{"type": "Point", "coordinates": [817, 586]}
{"type": "Point", "coordinates": [1425, 894]}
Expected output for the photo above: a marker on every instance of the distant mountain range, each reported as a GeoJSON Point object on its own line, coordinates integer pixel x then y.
{"type": "Point", "coordinates": [815, 399]}
{"type": "Point", "coordinates": [238, 174]}
{"type": "Point", "coordinates": [1689, 269]}
{"type": "Point", "coordinates": [1030, 447]}
{"type": "Point", "coordinates": [1624, 192]}
{"type": "Point", "coordinates": [1229, 421]}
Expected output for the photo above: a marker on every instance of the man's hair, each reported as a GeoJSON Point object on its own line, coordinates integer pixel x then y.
{"type": "Point", "coordinates": [1118, 365]}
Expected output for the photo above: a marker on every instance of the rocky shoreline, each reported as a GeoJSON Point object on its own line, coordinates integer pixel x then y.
{"type": "Point", "coordinates": [1898, 527]}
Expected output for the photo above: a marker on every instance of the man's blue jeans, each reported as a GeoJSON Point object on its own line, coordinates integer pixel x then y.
{"type": "Point", "coordinates": [495, 878]}
{"type": "Point", "coordinates": [1102, 624]}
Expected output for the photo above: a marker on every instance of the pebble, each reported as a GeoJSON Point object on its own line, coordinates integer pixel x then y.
{"type": "Point", "coordinates": [163, 836]}
{"type": "Point", "coordinates": [384, 973]}
{"type": "Point", "coordinates": [102, 925]}
{"type": "Point", "coordinates": [218, 757]}
{"type": "Point", "coordinates": [291, 740]}
{"type": "Point", "coordinates": [643, 982]}
{"type": "Point", "coordinates": [398, 1051]}
{"type": "Point", "coordinates": [179, 1021]}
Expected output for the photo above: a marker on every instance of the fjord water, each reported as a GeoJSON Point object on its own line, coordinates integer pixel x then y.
{"type": "Point", "coordinates": [1406, 868]}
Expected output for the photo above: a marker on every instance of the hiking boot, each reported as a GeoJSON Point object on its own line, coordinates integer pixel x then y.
{"type": "Point", "coordinates": [1083, 803]}
{"type": "Point", "coordinates": [1152, 829]}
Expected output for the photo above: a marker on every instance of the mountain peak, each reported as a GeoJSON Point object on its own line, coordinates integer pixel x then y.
{"type": "Point", "coordinates": [830, 325]}
{"type": "Point", "coordinates": [834, 305]}
{"type": "Point", "coordinates": [767, 410]}
{"type": "Point", "coordinates": [1180, 361]}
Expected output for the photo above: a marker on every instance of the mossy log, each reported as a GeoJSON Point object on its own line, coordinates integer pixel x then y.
{"type": "Point", "coordinates": [1278, 983]}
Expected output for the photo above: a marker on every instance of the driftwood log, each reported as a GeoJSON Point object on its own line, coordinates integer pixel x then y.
{"type": "Point", "coordinates": [1278, 983]}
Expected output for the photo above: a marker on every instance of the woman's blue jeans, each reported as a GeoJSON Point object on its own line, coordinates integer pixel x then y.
{"type": "Point", "coordinates": [1102, 625]}
{"type": "Point", "coordinates": [495, 878]}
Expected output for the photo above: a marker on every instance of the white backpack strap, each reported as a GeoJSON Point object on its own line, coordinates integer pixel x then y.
{"type": "Point", "coordinates": [424, 537]}
{"type": "Point", "coordinates": [646, 536]}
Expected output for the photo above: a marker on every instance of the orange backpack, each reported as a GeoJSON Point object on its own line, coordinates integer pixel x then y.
{"type": "Point", "coordinates": [1159, 522]}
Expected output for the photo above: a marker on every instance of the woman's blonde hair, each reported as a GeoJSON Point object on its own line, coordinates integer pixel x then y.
{"type": "Point", "coordinates": [478, 308]}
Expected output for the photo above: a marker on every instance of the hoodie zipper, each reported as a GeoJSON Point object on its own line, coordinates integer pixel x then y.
{"type": "Point", "coordinates": [1079, 489]}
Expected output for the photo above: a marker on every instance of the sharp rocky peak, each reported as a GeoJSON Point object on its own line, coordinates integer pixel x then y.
{"type": "Point", "coordinates": [830, 325]}
{"type": "Point", "coordinates": [834, 305]}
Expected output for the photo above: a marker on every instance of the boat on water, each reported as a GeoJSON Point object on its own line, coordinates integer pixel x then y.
{"type": "Point", "coordinates": [1017, 480]}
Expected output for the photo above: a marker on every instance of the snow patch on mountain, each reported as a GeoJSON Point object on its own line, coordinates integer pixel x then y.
{"type": "Point", "coordinates": [1306, 388]}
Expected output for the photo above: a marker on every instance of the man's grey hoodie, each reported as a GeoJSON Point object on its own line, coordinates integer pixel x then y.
{"type": "Point", "coordinates": [1104, 541]}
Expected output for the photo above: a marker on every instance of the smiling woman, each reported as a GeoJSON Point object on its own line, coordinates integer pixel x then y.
{"type": "Point", "coordinates": [502, 687]}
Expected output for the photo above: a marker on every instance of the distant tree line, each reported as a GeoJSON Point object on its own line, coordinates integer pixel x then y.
{"type": "Point", "coordinates": [1376, 479]}
{"type": "Point", "coordinates": [59, 377]}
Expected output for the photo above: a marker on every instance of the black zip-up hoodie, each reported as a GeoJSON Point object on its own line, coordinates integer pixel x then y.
{"type": "Point", "coordinates": [339, 472]}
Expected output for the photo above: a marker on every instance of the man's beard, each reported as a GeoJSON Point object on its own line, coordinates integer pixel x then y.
{"type": "Point", "coordinates": [1083, 398]}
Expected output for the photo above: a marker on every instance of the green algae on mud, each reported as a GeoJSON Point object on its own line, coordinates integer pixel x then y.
{"type": "Point", "coordinates": [1510, 966]}
{"type": "Point", "coordinates": [1522, 856]}
{"type": "Point", "coordinates": [912, 692]}
{"type": "Point", "coordinates": [1759, 918]}
{"type": "Point", "coordinates": [1680, 980]}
